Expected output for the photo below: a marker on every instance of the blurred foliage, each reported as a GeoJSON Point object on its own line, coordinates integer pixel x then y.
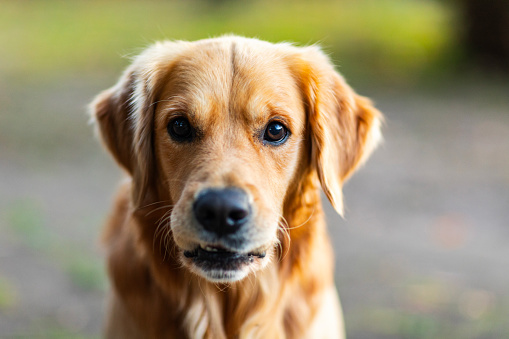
{"type": "Point", "coordinates": [85, 271]}
{"type": "Point", "coordinates": [387, 40]}
{"type": "Point", "coordinates": [28, 221]}
{"type": "Point", "coordinates": [51, 329]}
{"type": "Point", "coordinates": [8, 294]}
{"type": "Point", "coordinates": [433, 308]}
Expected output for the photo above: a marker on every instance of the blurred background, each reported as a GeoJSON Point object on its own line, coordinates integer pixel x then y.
{"type": "Point", "coordinates": [423, 251]}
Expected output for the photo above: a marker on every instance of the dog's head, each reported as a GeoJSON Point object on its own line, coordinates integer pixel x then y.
{"type": "Point", "coordinates": [222, 130]}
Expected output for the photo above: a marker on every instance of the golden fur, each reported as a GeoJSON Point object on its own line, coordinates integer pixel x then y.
{"type": "Point", "coordinates": [229, 88]}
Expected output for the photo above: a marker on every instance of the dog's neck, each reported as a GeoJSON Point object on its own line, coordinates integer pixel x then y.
{"type": "Point", "coordinates": [203, 309]}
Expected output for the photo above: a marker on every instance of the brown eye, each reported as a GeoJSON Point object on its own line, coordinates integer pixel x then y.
{"type": "Point", "coordinates": [275, 133]}
{"type": "Point", "coordinates": [180, 130]}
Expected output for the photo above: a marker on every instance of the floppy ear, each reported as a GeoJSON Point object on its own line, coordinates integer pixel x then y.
{"type": "Point", "coordinates": [124, 120]}
{"type": "Point", "coordinates": [111, 111]}
{"type": "Point", "coordinates": [124, 114]}
{"type": "Point", "coordinates": [344, 127]}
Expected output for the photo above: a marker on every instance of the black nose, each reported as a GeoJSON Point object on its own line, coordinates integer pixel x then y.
{"type": "Point", "coordinates": [222, 211]}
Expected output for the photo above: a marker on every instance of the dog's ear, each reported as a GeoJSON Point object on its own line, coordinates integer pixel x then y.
{"type": "Point", "coordinates": [111, 113]}
{"type": "Point", "coordinates": [344, 128]}
{"type": "Point", "coordinates": [124, 115]}
{"type": "Point", "coordinates": [124, 119]}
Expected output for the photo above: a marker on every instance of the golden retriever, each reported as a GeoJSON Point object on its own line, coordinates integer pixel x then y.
{"type": "Point", "coordinates": [219, 232]}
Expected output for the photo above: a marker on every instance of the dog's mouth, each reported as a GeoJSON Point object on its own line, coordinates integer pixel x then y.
{"type": "Point", "coordinates": [219, 264]}
{"type": "Point", "coordinates": [221, 258]}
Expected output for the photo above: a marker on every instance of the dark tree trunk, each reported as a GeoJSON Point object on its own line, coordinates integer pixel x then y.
{"type": "Point", "coordinates": [486, 36]}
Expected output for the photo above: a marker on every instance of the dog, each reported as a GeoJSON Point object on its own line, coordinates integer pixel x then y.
{"type": "Point", "coordinates": [218, 230]}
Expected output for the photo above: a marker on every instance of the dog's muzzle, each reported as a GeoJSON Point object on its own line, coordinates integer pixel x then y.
{"type": "Point", "coordinates": [224, 215]}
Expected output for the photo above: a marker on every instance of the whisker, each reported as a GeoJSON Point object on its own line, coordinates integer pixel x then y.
{"type": "Point", "coordinates": [221, 289]}
{"type": "Point", "coordinates": [201, 289]}
{"type": "Point", "coordinates": [165, 215]}
{"type": "Point", "coordinates": [159, 208]}
{"type": "Point", "coordinates": [163, 230]}
{"type": "Point", "coordinates": [159, 233]}
{"type": "Point", "coordinates": [252, 277]}
{"type": "Point", "coordinates": [151, 204]}
{"type": "Point", "coordinates": [282, 227]}
{"type": "Point", "coordinates": [166, 238]}
{"type": "Point", "coordinates": [305, 222]}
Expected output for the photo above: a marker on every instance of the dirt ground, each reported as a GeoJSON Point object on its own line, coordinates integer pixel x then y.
{"type": "Point", "coordinates": [422, 252]}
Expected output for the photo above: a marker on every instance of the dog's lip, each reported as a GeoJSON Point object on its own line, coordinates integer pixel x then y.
{"type": "Point", "coordinates": [217, 253]}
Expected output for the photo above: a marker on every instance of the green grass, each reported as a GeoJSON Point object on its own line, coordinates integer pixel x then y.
{"type": "Point", "coordinates": [423, 309]}
{"type": "Point", "coordinates": [49, 328]}
{"type": "Point", "coordinates": [27, 220]}
{"type": "Point", "coordinates": [8, 294]}
{"type": "Point", "coordinates": [395, 40]}
{"type": "Point", "coordinates": [85, 271]}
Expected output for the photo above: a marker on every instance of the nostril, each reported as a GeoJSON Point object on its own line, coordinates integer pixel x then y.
{"type": "Point", "coordinates": [205, 214]}
{"type": "Point", "coordinates": [237, 216]}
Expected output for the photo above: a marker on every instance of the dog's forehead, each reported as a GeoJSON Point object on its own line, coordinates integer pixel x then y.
{"type": "Point", "coordinates": [235, 77]}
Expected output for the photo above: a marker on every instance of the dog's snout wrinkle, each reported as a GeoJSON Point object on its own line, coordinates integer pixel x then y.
{"type": "Point", "coordinates": [222, 211]}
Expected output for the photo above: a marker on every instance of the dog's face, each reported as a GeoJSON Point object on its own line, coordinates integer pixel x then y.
{"type": "Point", "coordinates": [229, 133]}
{"type": "Point", "coordinates": [222, 129]}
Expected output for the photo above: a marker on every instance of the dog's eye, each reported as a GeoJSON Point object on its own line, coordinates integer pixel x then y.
{"type": "Point", "coordinates": [275, 133]}
{"type": "Point", "coordinates": [180, 129]}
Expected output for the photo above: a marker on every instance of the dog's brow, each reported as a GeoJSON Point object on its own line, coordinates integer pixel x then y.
{"type": "Point", "coordinates": [176, 103]}
{"type": "Point", "coordinates": [260, 109]}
